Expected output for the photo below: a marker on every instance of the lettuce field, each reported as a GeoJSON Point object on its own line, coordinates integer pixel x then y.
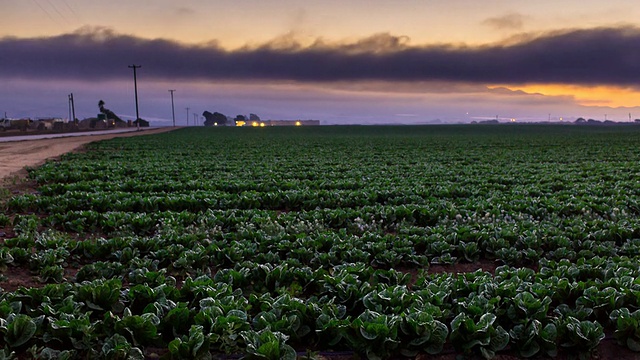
{"type": "Point", "coordinates": [360, 242]}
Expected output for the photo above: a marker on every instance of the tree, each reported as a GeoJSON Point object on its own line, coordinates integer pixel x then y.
{"type": "Point", "coordinates": [108, 113]}
{"type": "Point", "coordinates": [215, 118]}
{"type": "Point", "coordinates": [254, 117]}
{"type": "Point", "coordinates": [240, 118]}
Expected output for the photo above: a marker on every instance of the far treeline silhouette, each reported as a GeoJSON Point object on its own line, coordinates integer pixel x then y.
{"type": "Point", "coordinates": [216, 118]}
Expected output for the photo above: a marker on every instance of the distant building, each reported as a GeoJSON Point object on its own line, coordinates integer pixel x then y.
{"type": "Point", "coordinates": [279, 123]}
{"type": "Point", "coordinates": [49, 124]}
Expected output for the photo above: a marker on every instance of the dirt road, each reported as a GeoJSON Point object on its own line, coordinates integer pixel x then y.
{"type": "Point", "coordinates": [14, 156]}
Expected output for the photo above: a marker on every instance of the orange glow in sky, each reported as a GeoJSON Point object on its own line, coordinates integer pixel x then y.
{"type": "Point", "coordinates": [610, 96]}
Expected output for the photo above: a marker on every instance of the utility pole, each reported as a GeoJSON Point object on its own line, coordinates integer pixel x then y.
{"type": "Point", "coordinates": [135, 87]}
{"type": "Point", "coordinates": [72, 106]}
{"type": "Point", "coordinates": [195, 119]}
{"type": "Point", "coordinates": [69, 104]}
{"type": "Point", "coordinates": [187, 116]}
{"type": "Point", "coordinates": [173, 112]}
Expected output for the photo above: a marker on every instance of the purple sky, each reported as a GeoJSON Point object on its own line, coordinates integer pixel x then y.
{"type": "Point", "coordinates": [408, 61]}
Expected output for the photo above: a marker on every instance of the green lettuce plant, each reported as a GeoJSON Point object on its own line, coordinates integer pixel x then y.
{"type": "Point", "coordinates": [580, 336]}
{"type": "Point", "coordinates": [375, 335]}
{"type": "Point", "coordinates": [267, 344]}
{"type": "Point", "coordinates": [18, 329]}
{"type": "Point", "coordinates": [531, 338]}
{"type": "Point", "coordinates": [118, 348]}
{"type": "Point", "coordinates": [420, 332]}
{"type": "Point", "coordinates": [193, 346]}
{"type": "Point", "coordinates": [627, 325]}
{"type": "Point", "coordinates": [469, 336]}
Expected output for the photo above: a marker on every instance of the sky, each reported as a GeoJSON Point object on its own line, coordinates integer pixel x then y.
{"type": "Point", "coordinates": [341, 62]}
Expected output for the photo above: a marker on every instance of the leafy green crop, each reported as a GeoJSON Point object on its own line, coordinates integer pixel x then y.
{"type": "Point", "coordinates": [266, 344]}
{"type": "Point", "coordinates": [470, 336]}
{"type": "Point", "coordinates": [383, 241]}
{"type": "Point", "coordinates": [100, 295]}
{"type": "Point", "coordinates": [531, 338]}
{"type": "Point", "coordinates": [117, 347]}
{"type": "Point", "coordinates": [580, 336]}
{"type": "Point", "coordinates": [19, 329]}
{"type": "Point", "coordinates": [375, 335]}
{"type": "Point", "coordinates": [194, 346]}
{"type": "Point", "coordinates": [627, 328]}
{"type": "Point", "coordinates": [422, 333]}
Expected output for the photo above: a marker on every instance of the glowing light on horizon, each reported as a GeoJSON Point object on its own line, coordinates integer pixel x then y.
{"type": "Point", "coordinates": [599, 95]}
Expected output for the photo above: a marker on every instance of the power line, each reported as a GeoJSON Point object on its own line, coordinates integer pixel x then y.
{"type": "Point", "coordinates": [57, 11]}
{"type": "Point", "coordinates": [45, 11]}
{"type": "Point", "coordinates": [70, 9]}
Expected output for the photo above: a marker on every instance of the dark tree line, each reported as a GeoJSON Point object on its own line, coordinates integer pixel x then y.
{"type": "Point", "coordinates": [219, 119]}
{"type": "Point", "coordinates": [211, 119]}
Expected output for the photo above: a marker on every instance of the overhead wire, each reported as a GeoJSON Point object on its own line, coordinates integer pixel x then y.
{"type": "Point", "coordinates": [57, 14]}
{"type": "Point", "coordinates": [73, 12]}
{"type": "Point", "coordinates": [44, 10]}
{"type": "Point", "coordinates": [55, 8]}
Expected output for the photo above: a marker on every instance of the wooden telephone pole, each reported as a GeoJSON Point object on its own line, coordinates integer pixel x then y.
{"type": "Point", "coordinates": [135, 87]}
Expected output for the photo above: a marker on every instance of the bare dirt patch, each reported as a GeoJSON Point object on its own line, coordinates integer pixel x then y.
{"type": "Point", "coordinates": [19, 277]}
{"type": "Point", "coordinates": [19, 154]}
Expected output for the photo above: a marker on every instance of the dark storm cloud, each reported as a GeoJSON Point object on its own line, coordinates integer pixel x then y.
{"type": "Point", "coordinates": [596, 56]}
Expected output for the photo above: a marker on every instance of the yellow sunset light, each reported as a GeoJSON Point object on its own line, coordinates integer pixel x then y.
{"type": "Point", "coordinates": [601, 95]}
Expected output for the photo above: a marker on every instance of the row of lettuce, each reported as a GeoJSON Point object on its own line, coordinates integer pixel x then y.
{"type": "Point", "coordinates": [382, 235]}
{"type": "Point", "coordinates": [250, 310]}
{"type": "Point", "coordinates": [277, 242]}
